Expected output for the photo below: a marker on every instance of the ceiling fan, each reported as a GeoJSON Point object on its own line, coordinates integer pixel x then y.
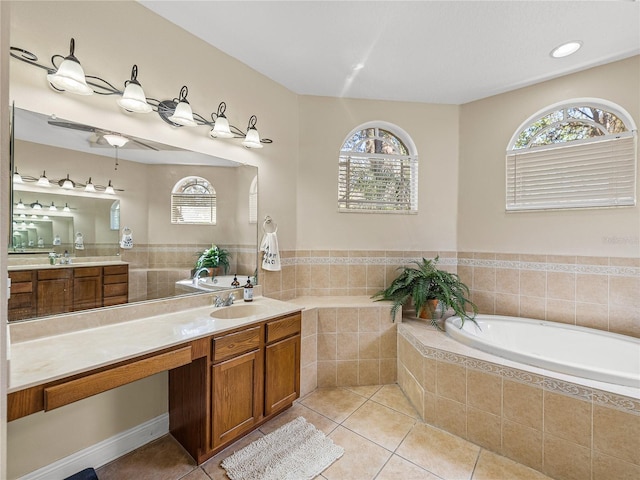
{"type": "Point", "coordinates": [104, 138]}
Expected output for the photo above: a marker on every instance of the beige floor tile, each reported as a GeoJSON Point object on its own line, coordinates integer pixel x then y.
{"type": "Point", "coordinates": [198, 474]}
{"type": "Point", "coordinates": [334, 403]}
{"type": "Point", "coordinates": [162, 459]}
{"type": "Point", "coordinates": [380, 424]}
{"type": "Point", "coordinates": [439, 452]}
{"type": "Point", "coordinates": [362, 459]}
{"type": "Point", "coordinates": [398, 468]}
{"type": "Point", "coordinates": [494, 467]}
{"type": "Point", "coordinates": [365, 390]}
{"type": "Point", "coordinates": [392, 397]}
{"type": "Point", "coordinates": [321, 422]}
{"type": "Point", "coordinates": [212, 466]}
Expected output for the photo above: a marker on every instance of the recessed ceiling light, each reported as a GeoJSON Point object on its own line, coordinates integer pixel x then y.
{"type": "Point", "coordinates": [566, 49]}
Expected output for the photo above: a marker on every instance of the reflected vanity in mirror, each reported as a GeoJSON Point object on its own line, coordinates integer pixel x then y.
{"type": "Point", "coordinates": [135, 227]}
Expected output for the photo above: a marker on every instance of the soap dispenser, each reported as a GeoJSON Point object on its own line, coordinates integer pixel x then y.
{"type": "Point", "coordinates": [248, 291]}
{"type": "Point", "coordinates": [235, 283]}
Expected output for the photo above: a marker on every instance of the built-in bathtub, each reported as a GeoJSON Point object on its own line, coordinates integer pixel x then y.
{"type": "Point", "coordinates": [583, 352]}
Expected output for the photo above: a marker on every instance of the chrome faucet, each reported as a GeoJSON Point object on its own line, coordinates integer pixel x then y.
{"type": "Point", "coordinates": [196, 276]}
{"type": "Point", "coordinates": [229, 300]}
{"type": "Point", "coordinates": [220, 302]}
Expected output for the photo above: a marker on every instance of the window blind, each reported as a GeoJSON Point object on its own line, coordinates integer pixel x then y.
{"type": "Point", "coordinates": [377, 182]}
{"type": "Point", "coordinates": [193, 208]}
{"type": "Point", "coordinates": [594, 174]}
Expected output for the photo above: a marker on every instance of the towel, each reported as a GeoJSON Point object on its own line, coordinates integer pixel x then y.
{"type": "Point", "coordinates": [79, 241]}
{"type": "Point", "coordinates": [127, 238]}
{"type": "Point", "coordinates": [271, 258]}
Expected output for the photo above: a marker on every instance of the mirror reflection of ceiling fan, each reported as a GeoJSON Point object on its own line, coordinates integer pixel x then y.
{"type": "Point", "coordinates": [104, 138]}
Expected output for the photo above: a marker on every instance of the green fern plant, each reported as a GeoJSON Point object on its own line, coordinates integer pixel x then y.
{"type": "Point", "coordinates": [426, 282]}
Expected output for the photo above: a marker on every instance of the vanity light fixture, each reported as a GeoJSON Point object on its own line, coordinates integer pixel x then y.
{"type": "Point", "coordinates": [43, 181]}
{"type": "Point", "coordinates": [34, 216]}
{"type": "Point", "coordinates": [67, 183]}
{"type": "Point", "coordinates": [66, 208]}
{"type": "Point", "coordinates": [69, 76]}
{"type": "Point", "coordinates": [36, 205]}
{"type": "Point", "coordinates": [45, 217]}
{"type": "Point", "coordinates": [183, 115]}
{"type": "Point", "coordinates": [53, 208]}
{"type": "Point", "coordinates": [20, 204]}
{"type": "Point", "coordinates": [31, 225]}
{"type": "Point", "coordinates": [566, 49]}
{"type": "Point", "coordinates": [109, 189]}
{"type": "Point", "coordinates": [22, 215]}
{"type": "Point", "coordinates": [252, 140]}
{"type": "Point", "coordinates": [133, 98]}
{"type": "Point", "coordinates": [17, 178]}
{"type": "Point", "coordinates": [90, 187]}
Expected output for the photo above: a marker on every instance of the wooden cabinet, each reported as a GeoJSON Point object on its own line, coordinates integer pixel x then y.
{"type": "Point", "coordinates": [54, 291]}
{"type": "Point", "coordinates": [22, 303]}
{"type": "Point", "coordinates": [51, 291]}
{"type": "Point", "coordinates": [116, 285]}
{"type": "Point", "coordinates": [248, 375]}
{"type": "Point", "coordinates": [87, 288]}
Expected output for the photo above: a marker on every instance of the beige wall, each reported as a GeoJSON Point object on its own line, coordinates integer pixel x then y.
{"type": "Point", "coordinates": [486, 126]}
{"type": "Point", "coordinates": [324, 125]}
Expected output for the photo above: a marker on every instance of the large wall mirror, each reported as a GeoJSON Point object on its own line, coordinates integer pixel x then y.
{"type": "Point", "coordinates": [90, 226]}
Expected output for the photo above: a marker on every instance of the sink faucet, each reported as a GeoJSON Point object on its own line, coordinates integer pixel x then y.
{"type": "Point", "coordinates": [196, 276]}
{"type": "Point", "coordinates": [220, 302]}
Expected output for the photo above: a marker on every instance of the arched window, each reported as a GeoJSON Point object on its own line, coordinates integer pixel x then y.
{"type": "Point", "coordinates": [193, 200]}
{"type": "Point", "coordinates": [378, 171]}
{"type": "Point", "coordinates": [580, 153]}
{"type": "Point", "coordinates": [253, 200]}
{"type": "Point", "coordinates": [114, 215]}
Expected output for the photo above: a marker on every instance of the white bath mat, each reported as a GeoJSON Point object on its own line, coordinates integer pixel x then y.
{"type": "Point", "coordinates": [295, 451]}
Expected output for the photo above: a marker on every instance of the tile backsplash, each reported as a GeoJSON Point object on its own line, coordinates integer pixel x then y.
{"type": "Point", "coordinates": [596, 292]}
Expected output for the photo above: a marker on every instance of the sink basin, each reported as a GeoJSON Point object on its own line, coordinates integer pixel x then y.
{"type": "Point", "coordinates": [239, 311]}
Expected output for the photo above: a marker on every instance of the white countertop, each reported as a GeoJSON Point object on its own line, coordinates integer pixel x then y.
{"type": "Point", "coordinates": [47, 266]}
{"type": "Point", "coordinates": [43, 360]}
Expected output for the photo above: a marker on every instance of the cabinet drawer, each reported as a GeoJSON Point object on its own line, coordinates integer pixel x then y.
{"type": "Point", "coordinates": [88, 272]}
{"type": "Point", "coordinates": [21, 276]}
{"type": "Point", "coordinates": [122, 278]}
{"type": "Point", "coordinates": [110, 301]}
{"type": "Point", "coordinates": [21, 300]}
{"type": "Point", "coordinates": [116, 289]}
{"type": "Point", "coordinates": [235, 343]}
{"type": "Point", "coordinates": [54, 274]}
{"type": "Point", "coordinates": [283, 328]}
{"type": "Point", "coordinates": [116, 269]}
{"type": "Point", "coordinates": [22, 287]}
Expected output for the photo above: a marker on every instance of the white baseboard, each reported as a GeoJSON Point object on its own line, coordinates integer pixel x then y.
{"type": "Point", "coordinates": [104, 452]}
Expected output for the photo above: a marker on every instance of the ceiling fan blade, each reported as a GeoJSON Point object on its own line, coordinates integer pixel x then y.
{"type": "Point", "coordinates": [145, 145]}
{"type": "Point", "coordinates": [72, 125]}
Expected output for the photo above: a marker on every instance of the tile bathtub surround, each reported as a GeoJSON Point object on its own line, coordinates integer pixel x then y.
{"type": "Point", "coordinates": [378, 428]}
{"type": "Point", "coordinates": [564, 430]}
{"type": "Point", "coordinates": [595, 292]}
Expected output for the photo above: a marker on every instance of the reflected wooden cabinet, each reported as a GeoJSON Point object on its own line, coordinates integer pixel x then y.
{"type": "Point", "coordinates": [52, 291]}
{"type": "Point", "coordinates": [244, 378]}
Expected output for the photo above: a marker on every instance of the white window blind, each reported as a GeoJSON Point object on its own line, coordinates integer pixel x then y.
{"type": "Point", "coordinates": [193, 208]}
{"type": "Point", "coordinates": [377, 182]}
{"type": "Point", "coordinates": [577, 175]}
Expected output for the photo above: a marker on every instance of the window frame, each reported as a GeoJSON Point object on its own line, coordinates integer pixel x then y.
{"type": "Point", "coordinates": [177, 192]}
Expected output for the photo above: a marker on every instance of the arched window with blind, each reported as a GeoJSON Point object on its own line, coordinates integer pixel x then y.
{"type": "Point", "coordinates": [378, 171]}
{"type": "Point", "coordinates": [193, 201]}
{"type": "Point", "coordinates": [578, 154]}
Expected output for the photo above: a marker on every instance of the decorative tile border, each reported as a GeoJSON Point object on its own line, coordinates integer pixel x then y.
{"type": "Point", "coordinates": [606, 399]}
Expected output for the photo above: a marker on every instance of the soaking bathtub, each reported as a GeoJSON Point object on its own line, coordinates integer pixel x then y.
{"type": "Point", "coordinates": [584, 352]}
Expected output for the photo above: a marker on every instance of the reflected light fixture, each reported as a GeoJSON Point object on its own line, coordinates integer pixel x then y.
{"type": "Point", "coordinates": [252, 140]}
{"type": "Point", "coordinates": [22, 215]}
{"type": "Point", "coordinates": [221, 127]}
{"type": "Point", "coordinates": [566, 49]}
{"type": "Point", "coordinates": [67, 183]}
{"type": "Point", "coordinates": [45, 217]}
{"type": "Point", "coordinates": [20, 204]}
{"type": "Point", "coordinates": [17, 178]}
{"type": "Point", "coordinates": [43, 181]}
{"type": "Point", "coordinates": [53, 208]}
{"type": "Point", "coordinates": [115, 140]}
{"type": "Point", "coordinates": [183, 115]}
{"type": "Point", "coordinates": [66, 208]}
{"type": "Point", "coordinates": [89, 187]}
{"type": "Point", "coordinates": [133, 98]}
{"type": "Point", "coordinates": [69, 76]}
{"type": "Point", "coordinates": [36, 205]}
{"type": "Point", "coordinates": [109, 189]}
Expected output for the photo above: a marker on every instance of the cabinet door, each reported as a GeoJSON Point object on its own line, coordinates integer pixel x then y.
{"type": "Point", "coordinates": [282, 374]}
{"type": "Point", "coordinates": [55, 294]}
{"type": "Point", "coordinates": [236, 404]}
{"type": "Point", "coordinates": [22, 303]}
{"type": "Point", "coordinates": [87, 288]}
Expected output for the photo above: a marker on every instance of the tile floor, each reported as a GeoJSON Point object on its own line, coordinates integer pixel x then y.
{"type": "Point", "coordinates": [382, 436]}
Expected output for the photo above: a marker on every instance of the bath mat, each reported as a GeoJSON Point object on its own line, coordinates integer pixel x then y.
{"type": "Point", "coordinates": [295, 451]}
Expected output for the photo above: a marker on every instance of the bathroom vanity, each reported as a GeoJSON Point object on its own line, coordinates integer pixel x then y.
{"type": "Point", "coordinates": [230, 368]}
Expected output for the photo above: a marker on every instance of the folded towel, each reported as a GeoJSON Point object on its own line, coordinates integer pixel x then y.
{"type": "Point", "coordinates": [271, 258]}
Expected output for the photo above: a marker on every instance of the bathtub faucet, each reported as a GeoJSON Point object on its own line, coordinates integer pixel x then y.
{"type": "Point", "coordinates": [196, 276]}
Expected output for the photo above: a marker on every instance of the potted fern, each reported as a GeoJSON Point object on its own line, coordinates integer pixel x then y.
{"type": "Point", "coordinates": [213, 258]}
{"type": "Point", "coordinates": [431, 290]}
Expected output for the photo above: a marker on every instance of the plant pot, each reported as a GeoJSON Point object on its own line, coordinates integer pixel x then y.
{"type": "Point", "coordinates": [429, 310]}
{"type": "Point", "coordinates": [215, 271]}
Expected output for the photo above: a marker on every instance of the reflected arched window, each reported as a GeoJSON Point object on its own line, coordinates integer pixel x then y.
{"type": "Point", "coordinates": [193, 200]}
{"type": "Point", "coordinates": [378, 171]}
{"type": "Point", "coordinates": [114, 215]}
{"type": "Point", "coordinates": [253, 200]}
{"type": "Point", "coordinates": [580, 153]}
